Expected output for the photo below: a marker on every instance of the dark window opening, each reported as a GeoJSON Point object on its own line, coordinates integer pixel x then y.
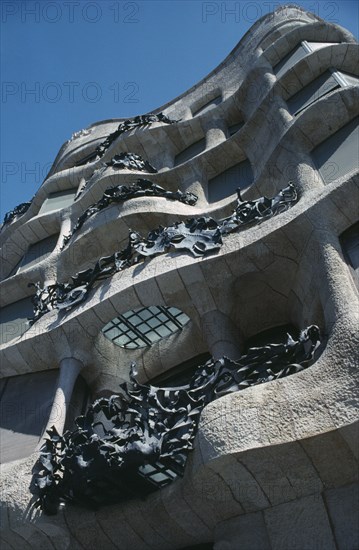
{"type": "Point", "coordinates": [337, 156]}
{"type": "Point", "coordinates": [226, 184]}
{"type": "Point", "coordinates": [289, 60]}
{"type": "Point", "coordinates": [180, 375]}
{"type": "Point", "coordinates": [234, 128]}
{"type": "Point", "coordinates": [190, 152]}
{"type": "Point", "coordinates": [350, 244]}
{"type": "Point", "coordinates": [14, 319]}
{"type": "Point", "coordinates": [208, 106]}
{"type": "Point", "coordinates": [38, 252]}
{"type": "Point", "coordinates": [26, 403]}
{"type": "Point", "coordinates": [273, 335]}
{"type": "Point", "coordinates": [320, 87]}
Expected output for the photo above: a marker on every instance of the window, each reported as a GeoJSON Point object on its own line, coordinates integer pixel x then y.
{"type": "Point", "coordinates": [191, 151]}
{"type": "Point", "coordinates": [208, 106]}
{"type": "Point", "coordinates": [37, 252]}
{"type": "Point", "coordinates": [143, 327]}
{"type": "Point", "coordinates": [14, 319]}
{"type": "Point", "coordinates": [289, 60]}
{"type": "Point", "coordinates": [350, 245]}
{"type": "Point", "coordinates": [321, 86]}
{"type": "Point", "coordinates": [226, 183]}
{"type": "Point", "coordinates": [26, 403]}
{"type": "Point", "coordinates": [157, 473]}
{"type": "Point", "coordinates": [59, 200]}
{"type": "Point", "coordinates": [234, 128]}
{"type": "Point", "coordinates": [181, 374]}
{"type": "Point", "coordinates": [274, 335]}
{"type": "Point", "coordinates": [346, 79]}
{"type": "Point", "coordinates": [297, 54]}
{"type": "Point", "coordinates": [313, 46]}
{"type": "Point", "coordinates": [338, 154]}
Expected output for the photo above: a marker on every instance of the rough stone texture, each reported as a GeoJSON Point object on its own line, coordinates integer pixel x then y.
{"type": "Point", "coordinates": [274, 466]}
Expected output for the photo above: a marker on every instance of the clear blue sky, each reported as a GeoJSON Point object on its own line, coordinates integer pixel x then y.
{"type": "Point", "coordinates": [67, 64]}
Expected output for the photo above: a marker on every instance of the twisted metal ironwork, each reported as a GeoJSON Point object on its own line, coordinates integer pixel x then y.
{"type": "Point", "coordinates": [199, 236]}
{"type": "Point", "coordinates": [140, 121]}
{"type": "Point", "coordinates": [121, 193]}
{"type": "Point", "coordinates": [105, 461]}
{"type": "Point", "coordinates": [18, 211]}
{"type": "Point", "coordinates": [128, 161]}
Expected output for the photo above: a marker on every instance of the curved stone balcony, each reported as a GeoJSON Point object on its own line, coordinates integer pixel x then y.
{"type": "Point", "coordinates": [274, 465]}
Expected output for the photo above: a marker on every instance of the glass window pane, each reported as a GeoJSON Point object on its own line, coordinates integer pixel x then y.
{"type": "Point", "coordinates": [14, 319]}
{"type": "Point", "coordinates": [158, 325]}
{"type": "Point", "coordinates": [227, 183]}
{"type": "Point", "coordinates": [321, 86]}
{"type": "Point", "coordinates": [55, 201]}
{"type": "Point", "coordinates": [338, 154]}
{"type": "Point", "coordinates": [38, 252]}
{"type": "Point", "coordinates": [289, 60]}
{"type": "Point", "coordinates": [190, 152]}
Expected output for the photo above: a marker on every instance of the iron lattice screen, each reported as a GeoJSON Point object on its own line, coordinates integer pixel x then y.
{"type": "Point", "coordinates": [143, 327]}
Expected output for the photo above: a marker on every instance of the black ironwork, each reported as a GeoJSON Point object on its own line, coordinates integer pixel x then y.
{"type": "Point", "coordinates": [144, 442]}
{"type": "Point", "coordinates": [128, 161]}
{"type": "Point", "coordinates": [199, 236]}
{"type": "Point", "coordinates": [140, 121]}
{"type": "Point", "coordinates": [18, 211]}
{"type": "Point", "coordinates": [131, 161]}
{"type": "Point", "coordinates": [122, 193]}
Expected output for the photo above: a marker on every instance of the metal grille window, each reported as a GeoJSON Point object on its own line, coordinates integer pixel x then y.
{"type": "Point", "coordinates": [225, 184]}
{"type": "Point", "coordinates": [190, 152]}
{"type": "Point", "coordinates": [338, 155]}
{"type": "Point", "coordinates": [157, 473]}
{"type": "Point", "coordinates": [143, 327]}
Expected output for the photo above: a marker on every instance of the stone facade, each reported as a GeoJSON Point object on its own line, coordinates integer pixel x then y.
{"type": "Point", "coordinates": [274, 466]}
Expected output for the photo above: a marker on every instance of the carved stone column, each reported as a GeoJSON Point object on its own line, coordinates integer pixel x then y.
{"type": "Point", "coordinates": [69, 371]}
{"type": "Point", "coordinates": [216, 132]}
{"type": "Point", "coordinates": [221, 335]}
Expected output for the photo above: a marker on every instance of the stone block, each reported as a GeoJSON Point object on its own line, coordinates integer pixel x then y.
{"type": "Point", "coordinates": [332, 458]}
{"type": "Point", "coordinates": [342, 505]}
{"type": "Point", "coordinates": [246, 532]}
{"type": "Point", "coordinates": [302, 524]}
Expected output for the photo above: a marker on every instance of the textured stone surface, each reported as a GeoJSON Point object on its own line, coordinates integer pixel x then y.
{"type": "Point", "coordinates": [274, 466]}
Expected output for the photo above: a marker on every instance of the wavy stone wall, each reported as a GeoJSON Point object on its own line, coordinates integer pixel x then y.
{"type": "Point", "coordinates": [273, 466]}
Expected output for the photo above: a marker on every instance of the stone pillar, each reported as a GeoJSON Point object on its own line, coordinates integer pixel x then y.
{"type": "Point", "coordinates": [69, 371]}
{"type": "Point", "coordinates": [221, 335]}
{"type": "Point", "coordinates": [216, 132]}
